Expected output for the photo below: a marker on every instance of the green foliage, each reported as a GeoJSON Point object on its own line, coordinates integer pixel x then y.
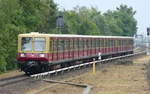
{"type": "Point", "coordinates": [79, 21]}
{"type": "Point", "coordinates": [82, 20]}
{"type": "Point", "coordinates": [122, 21]}
{"type": "Point", "coordinates": [22, 16]}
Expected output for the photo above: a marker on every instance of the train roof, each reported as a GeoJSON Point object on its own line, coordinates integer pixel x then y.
{"type": "Point", "coordinates": [69, 35]}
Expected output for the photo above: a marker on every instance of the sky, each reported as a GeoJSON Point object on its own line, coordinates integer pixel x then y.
{"type": "Point", "coordinates": [142, 8]}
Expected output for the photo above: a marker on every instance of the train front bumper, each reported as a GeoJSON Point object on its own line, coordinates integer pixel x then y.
{"type": "Point", "coordinates": [32, 57]}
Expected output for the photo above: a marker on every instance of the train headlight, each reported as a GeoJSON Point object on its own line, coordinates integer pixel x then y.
{"type": "Point", "coordinates": [22, 55]}
{"type": "Point", "coordinates": [42, 55]}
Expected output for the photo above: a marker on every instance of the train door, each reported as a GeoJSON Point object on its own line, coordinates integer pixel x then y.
{"type": "Point", "coordinates": [50, 50]}
{"type": "Point", "coordinates": [59, 49]}
{"type": "Point", "coordinates": [54, 51]}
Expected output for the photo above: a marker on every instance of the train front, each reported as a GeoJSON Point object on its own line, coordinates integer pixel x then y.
{"type": "Point", "coordinates": [32, 52]}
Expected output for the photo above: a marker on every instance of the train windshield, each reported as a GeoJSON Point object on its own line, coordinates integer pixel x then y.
{"type": "Point", "coordinates": [39, 44]}
{"type": "Point", "coordinates": [26, 44]}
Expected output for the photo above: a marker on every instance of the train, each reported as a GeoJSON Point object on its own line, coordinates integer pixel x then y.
{"type": "Point", "coordinates": [38, 52]}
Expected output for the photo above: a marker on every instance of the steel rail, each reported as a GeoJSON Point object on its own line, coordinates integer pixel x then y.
{"type": "Point", "coordinates": [12, 77]}
{"type": "Point", "coordinates": [86, 86]}
{"type": "Point", "coordinates": [42, 75]}
{"type": "Point", "coordinates": [13, 80]}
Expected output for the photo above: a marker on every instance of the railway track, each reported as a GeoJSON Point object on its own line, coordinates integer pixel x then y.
{"type": "Point", "coordinates": [62, 70]}
{"type": "Point", "coordinates": [59, 75]}
{"type": "Point", "coordinates": [12, 80]}
{"type": "Point", "coordinates": [19, 78]}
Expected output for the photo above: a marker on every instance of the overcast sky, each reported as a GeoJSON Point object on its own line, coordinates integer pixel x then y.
{"type": "Point", "coordinates": [142, 7]}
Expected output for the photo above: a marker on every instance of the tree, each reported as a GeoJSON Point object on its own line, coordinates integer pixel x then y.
{"type": "Point", "coordinates": [123, 20]}
{"type": "Point", "coordinates": [22, 16]}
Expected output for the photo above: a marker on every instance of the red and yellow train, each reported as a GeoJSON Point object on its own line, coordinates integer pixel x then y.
{"type": "Point", "coordinates": [43, 52]}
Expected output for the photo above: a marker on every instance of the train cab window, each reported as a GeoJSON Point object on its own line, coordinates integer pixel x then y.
{"type": "Point", "coordinates": [26, 44]}
{"type": "Point", "coordinates": [39, 44]}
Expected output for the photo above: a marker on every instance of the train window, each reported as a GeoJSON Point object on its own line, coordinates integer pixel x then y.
{"type": "Point", "coordinates": [87, 42]}
{"type": "Point", "coordinates": [97, 43]}
{"type": "Point", "coordinates": [54, 45]}
{"type": "Point", "coordinates": [84, 46]}
{"type": "Point", "coordinates": [75, 44]}
{"type": "Point", "coordinates": [116, 43]}
{"type": "Point", "coordinates": [106, 40]}
{"type": "Point", "coordinates": [58, 45]}
{"type": "Point", "coordinates": [111, 43]}
{"type": "Point", "coordinates": [71, 44]}
{"type": "Point", "coordinates": [62, 45]}
{"type": "Point", "coordinates": [93, 43]}
{"type": "Point", "coordinates": [68, 44]}
{"type": "Point", "coordinates": [79, 44]}
{"type": "Point", "coordinates": [39, 44]}
{"type": "Point", "coordinates": [120, 43]}
{"type": "Point", "coordinates": [26, 44]}
{"type": "Point", "coordinates": [102, 43]}
{"type": "Point", "coordinates": [107, 43]}
{"type": "Point", "coordinates": [65, 45]}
